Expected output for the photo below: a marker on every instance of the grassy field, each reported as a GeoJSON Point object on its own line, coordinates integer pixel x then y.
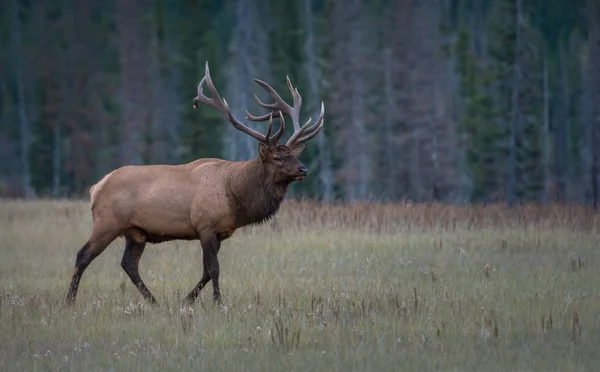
{"type": "Point", "coordinates": [319, 289]}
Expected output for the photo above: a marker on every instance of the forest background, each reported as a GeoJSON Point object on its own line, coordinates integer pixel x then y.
{"type": "Point", "coordinates": [454, 101]}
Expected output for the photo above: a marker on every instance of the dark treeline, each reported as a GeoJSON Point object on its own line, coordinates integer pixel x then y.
{"type": "Point", "coordinates": [449, 100]}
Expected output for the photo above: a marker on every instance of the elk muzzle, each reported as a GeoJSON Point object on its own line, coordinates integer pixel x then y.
{"type": "Point", "coordinates": [302, 172]}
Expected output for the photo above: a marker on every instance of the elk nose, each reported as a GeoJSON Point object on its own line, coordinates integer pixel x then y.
{"type": "Point", "coordinates": [302, 169]}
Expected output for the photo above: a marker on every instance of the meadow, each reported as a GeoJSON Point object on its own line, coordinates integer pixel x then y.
{"type": "Point", "coordinates": [320, 288]}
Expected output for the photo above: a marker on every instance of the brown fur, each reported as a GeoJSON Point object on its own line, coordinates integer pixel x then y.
{"type": "Point", "coordinates": [160, 203]}
{"type": "Point", "coordinates": [206, 200]}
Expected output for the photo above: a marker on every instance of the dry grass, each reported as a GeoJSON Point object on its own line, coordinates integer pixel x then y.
{"type": "Point", "coordinates": [370, 287]}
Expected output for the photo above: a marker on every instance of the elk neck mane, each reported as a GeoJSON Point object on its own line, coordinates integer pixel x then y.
{"type": "Point", "coordinates": [253, 196]}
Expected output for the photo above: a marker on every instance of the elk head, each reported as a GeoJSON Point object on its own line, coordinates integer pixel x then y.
{"type": "Point", "coordinates": [280, 161]}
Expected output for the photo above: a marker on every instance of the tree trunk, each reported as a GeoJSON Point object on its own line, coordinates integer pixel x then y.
{"type": "Point", "coordinates": [593, 13]}
{"type": "Point", "coordinates": [159, 147]}
{"type": "Point", "coordinates": [348, 98]}
{"type": "Point", "coordinates": [433, 162]}
{"type": "Point", "coordinates": [249, 60]}
{"type": "Point", "coordinates": [134, 61]}
{"type": "Point", "coordinates": [314, 76]}
{"type": "Point", "coordinates": [561, 132]}
{"type": "Point", "coordinates": [56, 159]}
{"type": "Point", "coordinates": [515, 112]}
{"type": "Point", "coordinates": [546, 136]}
{"type": "Point", "coordinates": [358, 124]}
{"type": "Point", "coordinates": [416, 182]}
{"type": "Point", "coordinates": [390, 170]}
{"type": "Point", "coordinates": [171, 124]}
{"type": "Point", "coordinates": [24, 125]}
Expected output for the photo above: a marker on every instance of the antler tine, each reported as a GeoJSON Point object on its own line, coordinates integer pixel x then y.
{"type": "Point", "coordinates": [297, 102]}
{"type": "Point", "coordinates": [268, 134]}
{"type": "Point", "coordinates": [243, 128]}
{"type": "Point", "coordinates": [284, 107]}
{"type": "Point", "coordinates": [270, 106]}
{"type": "Point", "coordinates": [279, 133]}
{"type": "Point", "coordinates": [201, 97]}
{"type": "Point", "coordinates": [290, 142]}
{"type": "Point", "coordinates": [264, 117]}
{"type": "Point", "coordinates": [306, 133]}
{"type": "Point", "coordinates": [310, 135]}
{"type": "Point", "coordinates": [318, 124]}
{"type": "Point", "coordinates": [213, 102]}
{"type": "Point", "coordinates": [221, 105]}
{"type": "Point", "coordinates": [275, 137]}
{"type": "Point", "coordinates": [197, 99]}
{"type": "Point", "coordinates": [278, 109]}
{"type": "Point", "coordinates": [280, 104]}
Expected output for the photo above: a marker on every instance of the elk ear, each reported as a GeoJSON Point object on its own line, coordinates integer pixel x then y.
{"type": "Point", "coordinates": [296, 150]}
{"type": "Point", "coordinates": [263, 150]}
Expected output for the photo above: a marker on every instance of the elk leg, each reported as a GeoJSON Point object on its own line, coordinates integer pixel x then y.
{"type": "Point", "coordinates": [210, 248]}
{"type": "Point", "coordinates": [213, 271]}
{"type": "Point", "coordinates": [130, 262]}
{"type": "Point", "coordinates": [191, 297]}
{"type": "Point", "coordinates": [92, 249]}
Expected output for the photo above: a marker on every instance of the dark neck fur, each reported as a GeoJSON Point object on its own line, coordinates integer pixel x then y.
{"type": "Point", "coordinates": [254, 198]}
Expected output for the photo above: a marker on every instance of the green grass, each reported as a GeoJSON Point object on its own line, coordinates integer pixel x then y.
{"type": "Point", "coordinates": [320, 289]}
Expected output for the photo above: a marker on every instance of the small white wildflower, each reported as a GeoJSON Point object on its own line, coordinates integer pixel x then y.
{"type": "Point", "coordinates": [568, 298]}
{"type": "Point", "coordinates": [484, 334]}
{"type": "Point", "coordinates": [186, 310]}
{"type": "Point", "coordinates": [130, 309]}
{"type": "Point", "coordinates": [401, 261]}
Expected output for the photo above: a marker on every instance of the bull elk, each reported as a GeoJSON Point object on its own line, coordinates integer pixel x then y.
{"type": "Point", "coordinates": [206, 200]}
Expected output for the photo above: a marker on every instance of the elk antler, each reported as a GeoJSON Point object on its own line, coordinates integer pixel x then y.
{"type": "Point", "coordinates": [278, 109]}
{"type": "Point", "coordinates": [221, 105]}
{"type": "Point", "coordinates": [301, 133]}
